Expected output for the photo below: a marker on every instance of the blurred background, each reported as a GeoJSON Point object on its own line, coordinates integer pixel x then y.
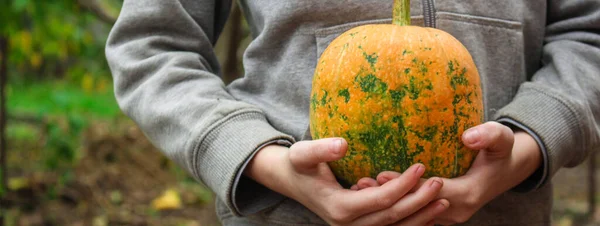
{"type": "Point", "coordinates": [68, 156]}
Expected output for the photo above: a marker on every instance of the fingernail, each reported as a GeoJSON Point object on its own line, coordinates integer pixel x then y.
{"type": "Point", "coordinates": [337, 145]}
{"type": "Point", "coordinates": [436, 183]}
{"type": "Point", "coordinates": [471, 136]}
{"type": "Point", "coordinates": [420, 170]}
{"type": "Point", "coordinates": [443, 204]}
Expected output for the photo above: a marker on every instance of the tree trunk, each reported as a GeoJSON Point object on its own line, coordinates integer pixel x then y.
{"type": "Point", "coordinates": [3, 78]}
{"type": "Point", "coordinates": [592, 185]}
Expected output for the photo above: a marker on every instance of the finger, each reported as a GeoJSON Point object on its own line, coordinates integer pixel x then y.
{"type": "Point", "coordinates": [405, 207]}
{"type": "Point", "coordinates": [386, 176]}
{"type": "Point", "coordinates": [426, 215]}
{"type": "Point", "coordinates": [354, 187]}
{"type": "Point", "coordinates": [490, 136]}
{"type": "Point", "coordinates": [377, 198]}
{"type": "Point", "coordinates": [308, 154]}
{"type": "Point", "coordinates": [366, 182]}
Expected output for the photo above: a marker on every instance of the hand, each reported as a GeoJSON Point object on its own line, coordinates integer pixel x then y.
{"type": "Point", "coordinates": [301, 173]}
{"type": "Point", "coordinates": [505, 160]}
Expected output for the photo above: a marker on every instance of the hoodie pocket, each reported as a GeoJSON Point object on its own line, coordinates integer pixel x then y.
{"type": "Point", "coordinates": [496, 46]}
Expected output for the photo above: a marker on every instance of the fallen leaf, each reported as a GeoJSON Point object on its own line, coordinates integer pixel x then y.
{"type": "Point", "coordinates": [17, 183]}
{"type": "Point", "coordinates": [168, 200]}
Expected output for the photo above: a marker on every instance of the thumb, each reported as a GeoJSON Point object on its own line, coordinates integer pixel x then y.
{"type": "Point", "coordinates": [492, 137]}
{"type": "Point", "coordinates": [308, 154]}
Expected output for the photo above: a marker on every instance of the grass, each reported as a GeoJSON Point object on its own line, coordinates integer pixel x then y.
{"type": "Point", "coordinates": [52, 98]}
{"type": "Point", "coordinates": [50, 117]}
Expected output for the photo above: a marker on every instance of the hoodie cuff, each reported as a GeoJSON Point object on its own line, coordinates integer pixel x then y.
{"type": "Point", "coordinates": [552, 121]}
{"type": "Point", "coordinates": [539, 177]}
{"type": "Point", "coordinates": [224, 152]}
{"type": "Point", "coordinates": [250, 197]}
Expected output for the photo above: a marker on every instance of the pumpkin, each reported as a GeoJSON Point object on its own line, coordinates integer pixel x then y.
{"type": "Point", "coordinates": [399, 95]}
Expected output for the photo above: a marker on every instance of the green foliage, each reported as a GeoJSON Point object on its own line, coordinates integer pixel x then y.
{"type": "Point", "coordinates": [62, 142]}
{"type": "Point", "coordinates": [22, 131]}
{"type": "Point", "coordinates": [58, 75]}
{"type": "Point", "coordinates": [52, 99]}
{"type": "Point", "coordinates": [62, 111]}
{"type": "Point", "coordinates": [58, 38]}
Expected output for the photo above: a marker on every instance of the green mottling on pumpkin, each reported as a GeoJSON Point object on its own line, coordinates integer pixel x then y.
{"type": "Point", "coordinates": [344, 93]}
{"type": "Point", "coordinates": [461, 113]}
{"type": "Point", "coordinates": [418, 150]}
{"type": "Point", "coordinates": [417, 108]}
{"type": "Point", "coordinates": [316, 135]}
{"type": "Point", "coordinates": [429, 85]}
{"type": "Point", "coordinates": [413, 89]}
{"type": "Point", "coordinates": [454, 127]}
{"type": "Point", "coordinates": [314, 102]}
{"type": "Point", "coordinates": [407, 71]}
{"type": "Point", "coordinates": [431, 165]}
{"type": "Point", "coordinates": [427, 134]}
{"type": "Point", "coordinates": [406, 52]}
{"type": "Point", "coordinates": [466, 126]}
{"type": "Point", "coordinates": [469, 101]}
{"type": "Point", "coordinates": [324, 99]}
{"type": "Point", "coordinates": [445, 134]}
{"type": "Point", "coordinates": [459, 79]}
{"type": "Point", "coordinates": [376, 142]}
{"type": "Point", "coordinates": [371, 58]}
{"type": "Point", "coordinates": [349, 135]}
{"type": "Point", "coordinates": [371, 84]}
{"type": "Point", "coordinates": [397, 96]}
{"type": "Point", "coordinates": [427, 109]}
{"type": "Point", "coordinates": [456, 99]}
{"type": "Point", "coordinates": [450, 68]}
{"type": "Point", "coordinates": [422, 67]}
{"type": "Point", "coordinates": [344, 117]}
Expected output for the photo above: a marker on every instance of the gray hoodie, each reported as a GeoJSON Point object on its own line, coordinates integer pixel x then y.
{"type": "Point", "coordinates": [539, 61]}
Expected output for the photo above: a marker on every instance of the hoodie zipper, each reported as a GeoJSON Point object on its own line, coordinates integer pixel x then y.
{"type": "Point", "coordinates": [428, 13]}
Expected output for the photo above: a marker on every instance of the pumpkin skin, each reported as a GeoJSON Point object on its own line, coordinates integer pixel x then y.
{"type": "Point", "coordinates": [399, 95]}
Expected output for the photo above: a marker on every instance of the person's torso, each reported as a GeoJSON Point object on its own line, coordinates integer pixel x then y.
{"type": "Point", "coordinates": [505, 39]}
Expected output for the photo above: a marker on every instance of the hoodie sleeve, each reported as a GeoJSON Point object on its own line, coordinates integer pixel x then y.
{"type": "Point", "coordinates": [561, 104]}
{"type": "Point", "coordinates": [165, 77]}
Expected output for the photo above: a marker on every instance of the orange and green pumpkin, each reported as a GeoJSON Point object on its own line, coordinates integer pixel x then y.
{"type": "Point", "coordinates": [399, 95]}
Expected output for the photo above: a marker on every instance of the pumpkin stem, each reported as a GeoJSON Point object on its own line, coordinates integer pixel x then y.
{"type": "Point", "coordinates": [401, 14]}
